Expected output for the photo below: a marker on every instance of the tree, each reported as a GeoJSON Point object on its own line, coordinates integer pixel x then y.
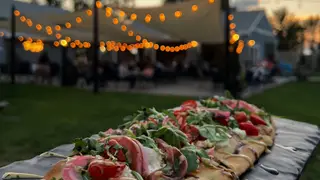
{"type": "Point", "coordinates": [312, 23]}
{"type": "Point", "coordinates": [80, 5]}
{"type": "Point", "coordinates": [172, 1]}
{"type": "Point", "coordinates": [287, 29]}
{"type": "Point", "coordinates": [55, 3]}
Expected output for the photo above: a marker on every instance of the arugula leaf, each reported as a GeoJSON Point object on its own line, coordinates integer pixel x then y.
{"type": "Point", "coordinates": [233, 123]}
{"type": "Point", "coordinates": [245, 111]}
{"type": "Point", "coordinates": [200, 118]}
{"type": "Point", "coordinates": [214, 133]}
{"type": "Point", "coordinates": [85, 175]}
{"type": "Point", "coordinates": [192, 153]}
{"type": "Point", "coordinates": [170, 114]}
{"type": "Point", "coordinates": [225, 108]}
{"type": "Point", "coordinates": [147, 142]}
{"type": "Point", "coordinates": [88, 146]}
{"type": "Point", "coordinates": [129, 133]}
{"type": "Point", "coordinates": [228, 95]}
{"type": "Point", "coordinates": [156, 114]}
{"type": "Point", "coordinates": [209, 103]}
{"type": "Point", "coordinates": [192, 158]}
{"type": "Point", "coordinates": [171, 135]}
{"type": "Point", "coordinates": [266, 116]}
{"type": "Point", "coordinates": [137, 175]}
{"type": "Point", "coordinates": [200, 152]}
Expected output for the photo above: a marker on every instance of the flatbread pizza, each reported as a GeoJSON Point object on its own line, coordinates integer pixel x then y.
{"type": "Point", "coordinates": [215, 138]}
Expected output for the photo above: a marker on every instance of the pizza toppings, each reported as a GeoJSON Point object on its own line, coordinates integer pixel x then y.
{"type": "Point", "coordinates": [97, 169]}
{"type": "Point", "coordinates": [190, 103]}
{"type": "Point", "coordinates": [173, 143]}
{"type": "Point", "coordinates": [249, 128]}
{"type": "Point", "coordinates": [240, 116]}
{"type": "Point", "coordinates": [257, 120]}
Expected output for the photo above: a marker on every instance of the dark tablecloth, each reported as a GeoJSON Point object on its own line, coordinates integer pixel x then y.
{"type": "Point", "coordinates": [290, 164]}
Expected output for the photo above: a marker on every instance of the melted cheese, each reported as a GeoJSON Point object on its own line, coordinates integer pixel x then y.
{"type": "Point", "coordinates": [127, 173]}
{"type": "Point", "coordinates": [155, 160]}
{"type": "Point", "coordinates": [229, 155]}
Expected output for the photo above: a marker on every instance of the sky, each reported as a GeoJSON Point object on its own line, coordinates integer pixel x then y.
{"type": "Point", "coordinates": [299, 7]}
{"type": "Point", "coordinates": [305, 8]}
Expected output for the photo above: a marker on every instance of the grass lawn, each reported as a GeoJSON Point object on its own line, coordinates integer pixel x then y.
{"type": "Point", "coordinates": [40, 118]}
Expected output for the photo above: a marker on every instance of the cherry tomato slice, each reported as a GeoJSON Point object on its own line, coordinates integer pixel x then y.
{"type": "Point", "coordinates": [190, 103]}
{"type": "Point", "coordinates": [102, 169]}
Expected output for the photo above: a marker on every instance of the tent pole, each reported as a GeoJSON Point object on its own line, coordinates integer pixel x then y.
{"type": "Point", "coordinates": [64, 74]}
{"type": "Point", "coordinates": [227, 43]}
{"type": "Point", "coordinates": [230, 82]}
{"type": "Point", "coordinates": [13, 47]}
{"type": "Point", "coordinates": [95, 47]}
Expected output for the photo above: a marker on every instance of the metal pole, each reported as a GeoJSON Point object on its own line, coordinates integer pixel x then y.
{"type": "Point", "coordinates": [95, 46]}
{"type": "Point", "coordinates": [13, 46]}
{"type": "Point", "coordinates": [63, 79]}
{"type": "Point", "coordinates": [226, 9]}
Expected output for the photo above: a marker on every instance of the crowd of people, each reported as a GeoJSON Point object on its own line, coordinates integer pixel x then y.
{"type": "Point", "coordinates": [79, 71]}
{"type": "Point", "coordinates": [263, 71]}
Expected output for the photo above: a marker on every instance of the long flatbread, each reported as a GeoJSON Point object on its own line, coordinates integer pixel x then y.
{"type": "Point", "coordinates": [223, 153]}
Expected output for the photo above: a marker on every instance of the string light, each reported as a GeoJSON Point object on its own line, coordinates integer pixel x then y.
{"type": "Point", "coordinates": [240, 47]}
{"type": "Point", "coordinates": [162, 17]}
{"type": "Point", "coordinates": [178, 14]}
{"type": "Point", "coordinates": [133, 17]}
{"type": "Point", "coordinates": [16, 13]}
{"type": "Point", "coordinates": [89, 12]}
{"type": "Point", "coordinates": [99, 4]}
{"type": "Point", "coordinates": [233, 26]}
{"type": "Point", "coordinates": [64, 43]}
{"type": "Point", "coordinates": [108, 12]}
{"type": "Point", "coordinates": [78, 19]}
{"type": "Point", "coordinates": [34, 47]}
{"type": "Point", "coordinates": [58, 28]}
{"type": "Point", "coordinates": [194, 8]}
{"type": "Point", "coordinates": [21, 38]}
{"type": "Point", "coordinates": [144, 44]}
{"type": "Point", "coordinates": [235, 37]}
{"type": "Point", "coordinates": [22, 19]}
{"type": "Point", "coordinates": [138, 38]}
{"type": "Point", "coordinates": [58, 36]}
{"type": "Point", "coordinates": [251, 43]}
{"type": "Point", "coordinates": [230, 17]}
{"type": "Point", "coordinates": [123, 27]}
{"type": "Point", "coordinates": [38, 27]}
{"type": "Point", "coordinates": [68, 25]}
{"type": "Point", "coordinates": [147, 19]}
{"type": "Point", "coordinates": [115, 21]}
{"type": "Point", "coordinates": [73, 45]}
{"type": "Point", "coordinates": [68, 39]}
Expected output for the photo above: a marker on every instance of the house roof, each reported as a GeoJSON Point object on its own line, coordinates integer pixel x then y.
{"type": "Point", "coordinates": [248, 22]}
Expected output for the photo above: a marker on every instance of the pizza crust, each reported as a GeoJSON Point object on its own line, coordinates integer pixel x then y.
{"type": "Point", "coordinates": [55, 171]}
{"type": "Point", "coordinates": [207, 173]}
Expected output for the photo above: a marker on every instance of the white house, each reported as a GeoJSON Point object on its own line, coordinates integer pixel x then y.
{"type": "Point", "coordinates": [254, 25]}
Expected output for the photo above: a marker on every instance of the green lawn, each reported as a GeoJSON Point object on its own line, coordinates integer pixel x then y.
{"type": "Point", "coordinates": [40, 118]}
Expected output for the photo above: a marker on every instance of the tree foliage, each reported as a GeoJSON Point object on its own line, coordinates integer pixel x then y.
{"type": "Point", "coordinates": [287, 29]}
{"type": "Point", "coordinates": [55, 3]}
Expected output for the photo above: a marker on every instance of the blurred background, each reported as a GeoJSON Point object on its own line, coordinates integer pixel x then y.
{"type": "Point", "coordinates": [133, 53]}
